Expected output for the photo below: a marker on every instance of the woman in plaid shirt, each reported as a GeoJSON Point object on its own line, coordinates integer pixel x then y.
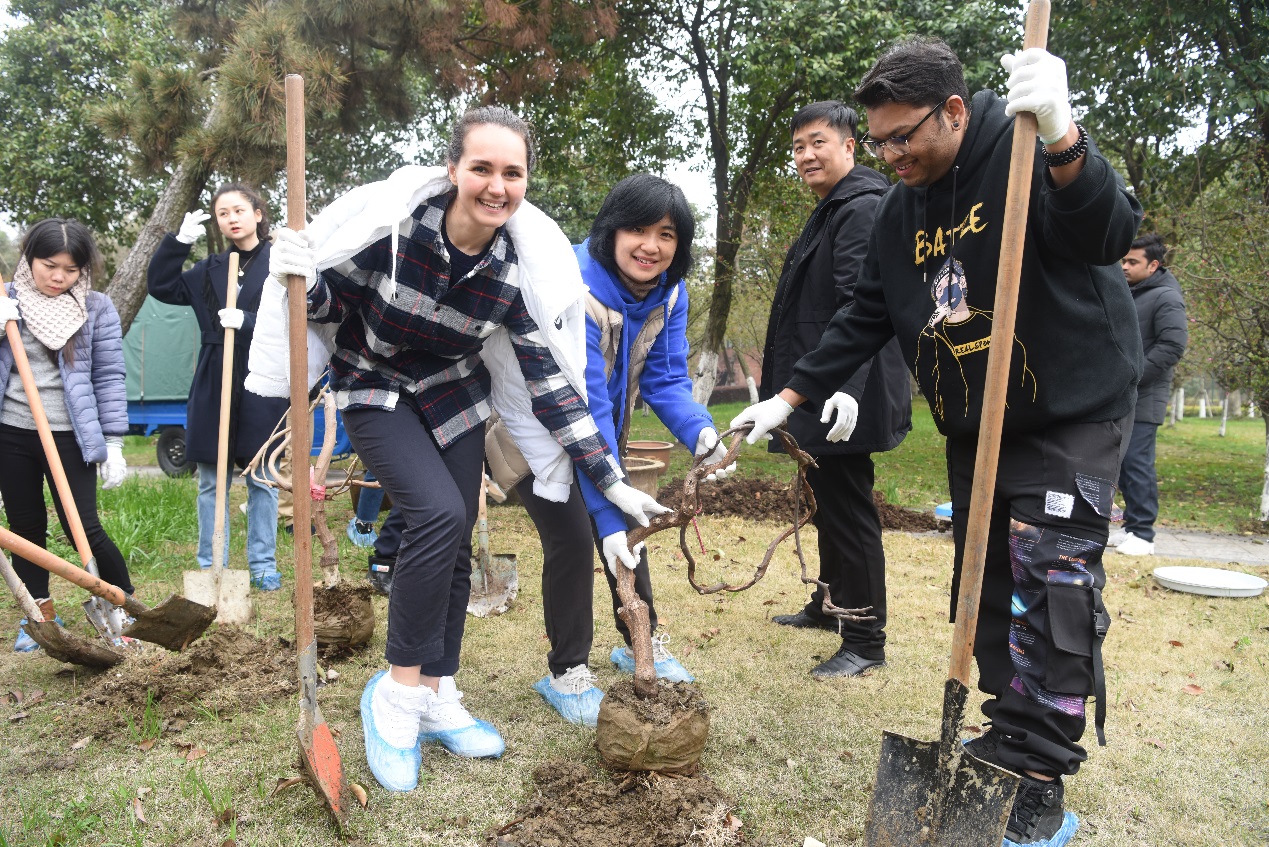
{"type": "Point", "coordinates": [414, 307]}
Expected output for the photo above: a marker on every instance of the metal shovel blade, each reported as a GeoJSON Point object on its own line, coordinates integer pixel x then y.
{"type": "Point", "coordinates": [233, 603]}
{"type": "Point", "coordinates": [65, 646]}
{"type": "Point", "coordinates": [494, 585]}
{"type": "Point", "coordinates": [173, 624]}
{"type": "Point", "coordinates": [934, 793]}
{"type": "Point", "coordinates": [318, 752]}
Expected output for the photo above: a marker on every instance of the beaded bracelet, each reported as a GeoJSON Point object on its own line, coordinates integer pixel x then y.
{"type": "Point", "coordinates": [1070, 154]}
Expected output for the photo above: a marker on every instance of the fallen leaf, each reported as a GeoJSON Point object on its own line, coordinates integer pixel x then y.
{"type": "Point", "coordinates": [1192, 689]}
{"type": "Point", "coordinates": [82, 743]}
{"type": "Point", "coordinates": [286, 782]}
{"type": "Point", "coordinates": [229, 842]}
{"type": "Point", "coordinates": [1176, 643]}
{"type": "Point", "coordinates": [687, 649]}
{"type": "Point", "coordinates": [740, 538]}
{"type": "Point", "coordinates": [977, 729]}
{"type": "Point", "coordinates": [334, 732]}
{"type": "Point", "coordinates": [714, 631]}
{"type": "Point", "coordinates": [226, 816]}
{"type": "Point", "coordinates": [1154, 742]}
{"type": "Point", "coordinates": [147, 744]}
{"type": "Point", "coordinates": [15, 694]}
{"type": "Point", "coordinates": [792, 764]}
{"type": "Point", "coordinates": [768, 602]}
{"type": "Point", "coordinates": [34, 697]}
{"type": "Point", "coordinates": [734, 823]}
{"type": "Point", "coordinates": [359, 793]}
{"type": "Point", "coordinates": [14, 718]}
{"type": "Point", "coordinates": [195, 754]}
{"type": "Point", "coordinates": [845, 754]}
{"type": "Point", "coordinates": [331, 674]}
{"type": "Point", "coordinates": [1222, 665]}
{"type": "Point", "coordinates": [138, 811]}
{"type": "Point", "coordinates": [179, 724]}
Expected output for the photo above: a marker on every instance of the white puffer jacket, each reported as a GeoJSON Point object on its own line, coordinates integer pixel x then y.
{"type": "Point", "coordinates": [548, 278]}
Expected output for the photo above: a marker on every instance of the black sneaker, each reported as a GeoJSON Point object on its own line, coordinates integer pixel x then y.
{"type": "Point", "coordinates": [1037, 811]}
{"type": "Point", "coordinates": [984, 748]}
{"type": "Point", "coordinates": [380, 574]}
{"type": "Point", "coordinates": [845, 663]}
{"type": "Point", "coordinates": [804, 620]}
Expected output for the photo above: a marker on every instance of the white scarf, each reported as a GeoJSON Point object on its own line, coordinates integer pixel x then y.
{"type": "Point", "coordinates": [52, 320]}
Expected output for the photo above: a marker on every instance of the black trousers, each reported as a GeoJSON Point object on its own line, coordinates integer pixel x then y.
{"type": "Point", "coordinates": [436, 492]}
{"type": "Point", "coordinates": [1036, 641]}
{"type": "Point", "coordinates": [569, 543]}
{"type": "Point", "coordinates": [22, 486]}
{"type": "Point", "coordinates": [1138, 481]}
{"type": "Point", "coordinates": [852, 561]}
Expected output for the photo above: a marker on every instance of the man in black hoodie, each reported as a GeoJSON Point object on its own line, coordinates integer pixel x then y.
{"type": "Point", "coordinates": [929, 281]}
{"type": "Point", "coordinates": [1161, 318]}
{"type": "Point", "coordinates": [875, 405]}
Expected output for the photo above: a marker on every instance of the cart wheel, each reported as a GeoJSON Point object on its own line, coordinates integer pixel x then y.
{"type": "Point", "coordinates": [171, 452]}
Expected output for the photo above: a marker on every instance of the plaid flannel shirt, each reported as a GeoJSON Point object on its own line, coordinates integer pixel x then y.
{"type": "Point", "coordinates": [423, 335]}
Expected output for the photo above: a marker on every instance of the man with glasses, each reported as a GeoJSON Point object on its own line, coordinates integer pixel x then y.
{"type": "Point", "coordinates": [875, 404]}
{"type": "Point", "coordinates": [931, 269]}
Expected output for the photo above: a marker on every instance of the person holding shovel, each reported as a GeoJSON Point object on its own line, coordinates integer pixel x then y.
{"type": "Point", "coordinates": [243, 220]}
{"type": "Point", "coordinates": [929, 280]}
{"type": "Point", "coordinates": [74, 343]}
{"type": "Point", "coordinates": [633, 263]}
{"type": "Point", "coordinates": [448, 294]}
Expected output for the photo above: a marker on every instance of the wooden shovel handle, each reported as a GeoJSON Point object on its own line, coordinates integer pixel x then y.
{"type": "Point", "coordinates": [50, 447]}
{"type": "Point", "coordinates": [297, 315]}
{"type": "Point", "coordinates": [1012, 242]}
{"type": "Point", "coordinates": [54, 564]}
{"type": "Point", "coordinates": [222, 440]}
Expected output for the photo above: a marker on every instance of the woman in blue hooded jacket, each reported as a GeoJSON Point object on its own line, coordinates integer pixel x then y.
{"type": "Point", "coordinates": [633, 263]}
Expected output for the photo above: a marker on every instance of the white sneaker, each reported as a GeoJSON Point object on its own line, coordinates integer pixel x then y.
{"type": "Point", "coordinates": [1134, 546]}
{"type": "Point", "coordinates": [397, 711]}
{"type": "Point", "coordinates": [1117, 537]}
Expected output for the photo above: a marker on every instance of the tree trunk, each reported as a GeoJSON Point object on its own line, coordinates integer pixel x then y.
{"type": "Point", "coordinates": [1180, 404]}
{"type": "Point", "coordinates": [127, 287]}
{"type": "Point", "coordinates": [1264, 491]}
{"type": "Point", "coordinates": [1224, 414]}
{"type": "Point", "coordinates": [706, 376]}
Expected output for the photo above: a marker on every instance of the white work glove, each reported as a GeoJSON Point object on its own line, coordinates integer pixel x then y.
{"type": "Point", "coordinates": [764, 416]}
{"type": "Point", "coordinates": [8, 310]}
{"type": "Point", "coordinates": [1037, 84]}
{"type": "Point", "coordinates": [192, 227]}
{"type": "Point", "coordinates": [617, 549]}
{"type": "Point", "coordinates": [231, 318]}
{"type": "Point", "coordinates": [292, 253]}
{"type": "Point", "coordinates": [114, 469]}
{"type": "Point", "coordinates": [846, 408]}
{"type": "Point", "coordinates": [634, 502]}
{"type": "Point", "coordinates": [708, 443]}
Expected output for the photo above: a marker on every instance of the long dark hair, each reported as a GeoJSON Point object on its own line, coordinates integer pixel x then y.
{"type": "Point", "coordinates": [262, 228]}
{"type": "Point", "coordinates": [52, 236]}
{"type": "Point", "coordinates": [641, 200]}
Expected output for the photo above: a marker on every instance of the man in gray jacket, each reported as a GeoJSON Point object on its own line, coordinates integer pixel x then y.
{"type": "Point", "coordinates": [1161, 316]}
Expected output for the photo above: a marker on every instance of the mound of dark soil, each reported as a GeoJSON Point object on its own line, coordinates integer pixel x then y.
{"type": "Point", "coordinates": [226, 672]}
{"type": "Point", "coordinates": [768, 499]}
{"type": "Point", "coordinates": [574, 807]}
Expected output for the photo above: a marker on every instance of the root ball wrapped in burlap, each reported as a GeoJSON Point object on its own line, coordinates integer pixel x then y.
{"type": "Point", "coordinates": [665, 734]}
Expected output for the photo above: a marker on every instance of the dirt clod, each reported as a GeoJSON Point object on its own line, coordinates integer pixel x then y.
{"type": "Point", "coordinates": [343, 614]}
{"type": "Point", "coordinates": [768, 499]}
{"type": "Point", "coordinates": [223, 673]}
{"type": "Point", "coordinates": [575, 807]}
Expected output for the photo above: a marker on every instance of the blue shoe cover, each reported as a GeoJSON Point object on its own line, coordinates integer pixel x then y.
{"type": "Point", "coordinates": [580, 708]}
{"type": "Point", "coordinates": [361, 539]}
{"type": "Point", "coordinates": [25, 643]}
{"type": "Point", "coordinates": [396, 769]}
{"type": "Point", "coordinates": [670, 669]}
{"type": "Point", "coordinates": [1061, 838]}
{"type": "Point", "coordinates": [267, 582]}
{"type": "Point", "coordinates": [448, 723]}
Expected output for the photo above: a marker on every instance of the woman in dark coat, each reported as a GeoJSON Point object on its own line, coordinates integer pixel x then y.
{"type": "Point", "coordinates": [244, 221]}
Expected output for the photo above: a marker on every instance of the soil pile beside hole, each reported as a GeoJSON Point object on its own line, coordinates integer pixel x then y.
{"type": "Point", "coordinates": [576, 808]}
{"type": "Point", "coordinates": [226, 672]}
{"type": "Point", "coordinates": [768, 499]}
{"type": "Point", "coordinates": [665, 733]}
{"type": "Point", "coordinates": [343, 614]}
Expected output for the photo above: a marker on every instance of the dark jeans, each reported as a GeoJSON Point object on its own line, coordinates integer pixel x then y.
{"type": "Point", "coordinates": [1035, 641]}
{"type": "Point", "coordinates": [22, 487]}
{"type": "Point", "coordinates": [436, 492]}
{"type": "Point", "coordinates": [852, 561]}
{"type": "Point", "coordinates": [1138, 482]}
{"type": "Point", "coordinates": [568, 576]}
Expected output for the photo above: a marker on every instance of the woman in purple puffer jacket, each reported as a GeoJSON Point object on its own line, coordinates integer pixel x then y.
{"type": "Point", "coordinates": [72, 338]}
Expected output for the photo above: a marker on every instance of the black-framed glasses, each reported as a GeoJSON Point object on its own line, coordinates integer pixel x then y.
{"type": "Point", "coordinates": [898, 144]}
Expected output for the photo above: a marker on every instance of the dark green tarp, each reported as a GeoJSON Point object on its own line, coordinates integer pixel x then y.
{"type": "Point", "coordinates": [160, 350]}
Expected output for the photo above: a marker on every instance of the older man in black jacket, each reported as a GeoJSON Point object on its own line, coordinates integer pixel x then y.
{"type": "Point", "coordinates": [1161, 317]}
{"type": "Point", "coordinates": [818, 279]}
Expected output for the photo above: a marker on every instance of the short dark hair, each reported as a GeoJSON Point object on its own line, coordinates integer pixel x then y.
{"type": "Point", "coordinates": [497, 115]}
{"type": "Point", "coordinates": [51, 236]}
{"type": "Point", "coordinates": [640, 200]}
{"type": "Point", "coordinates": [832, 112]}
{"type": "Point", "coordinates": [262, 228]}
{"type": "Point", "coordinates": [915, 71]}
{"type": "Point", "coordinates": [1153, 246]}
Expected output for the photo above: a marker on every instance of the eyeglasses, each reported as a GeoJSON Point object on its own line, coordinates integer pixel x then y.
{"type": "Point", "coordinates": [897, 144]}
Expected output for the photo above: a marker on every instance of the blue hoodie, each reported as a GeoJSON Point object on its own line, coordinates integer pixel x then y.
{"type": "Point", "coordinates": [664, 383]}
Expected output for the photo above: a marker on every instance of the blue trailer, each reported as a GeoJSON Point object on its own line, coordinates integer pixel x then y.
{"type": "Point", "coordinates": [160, 351]}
